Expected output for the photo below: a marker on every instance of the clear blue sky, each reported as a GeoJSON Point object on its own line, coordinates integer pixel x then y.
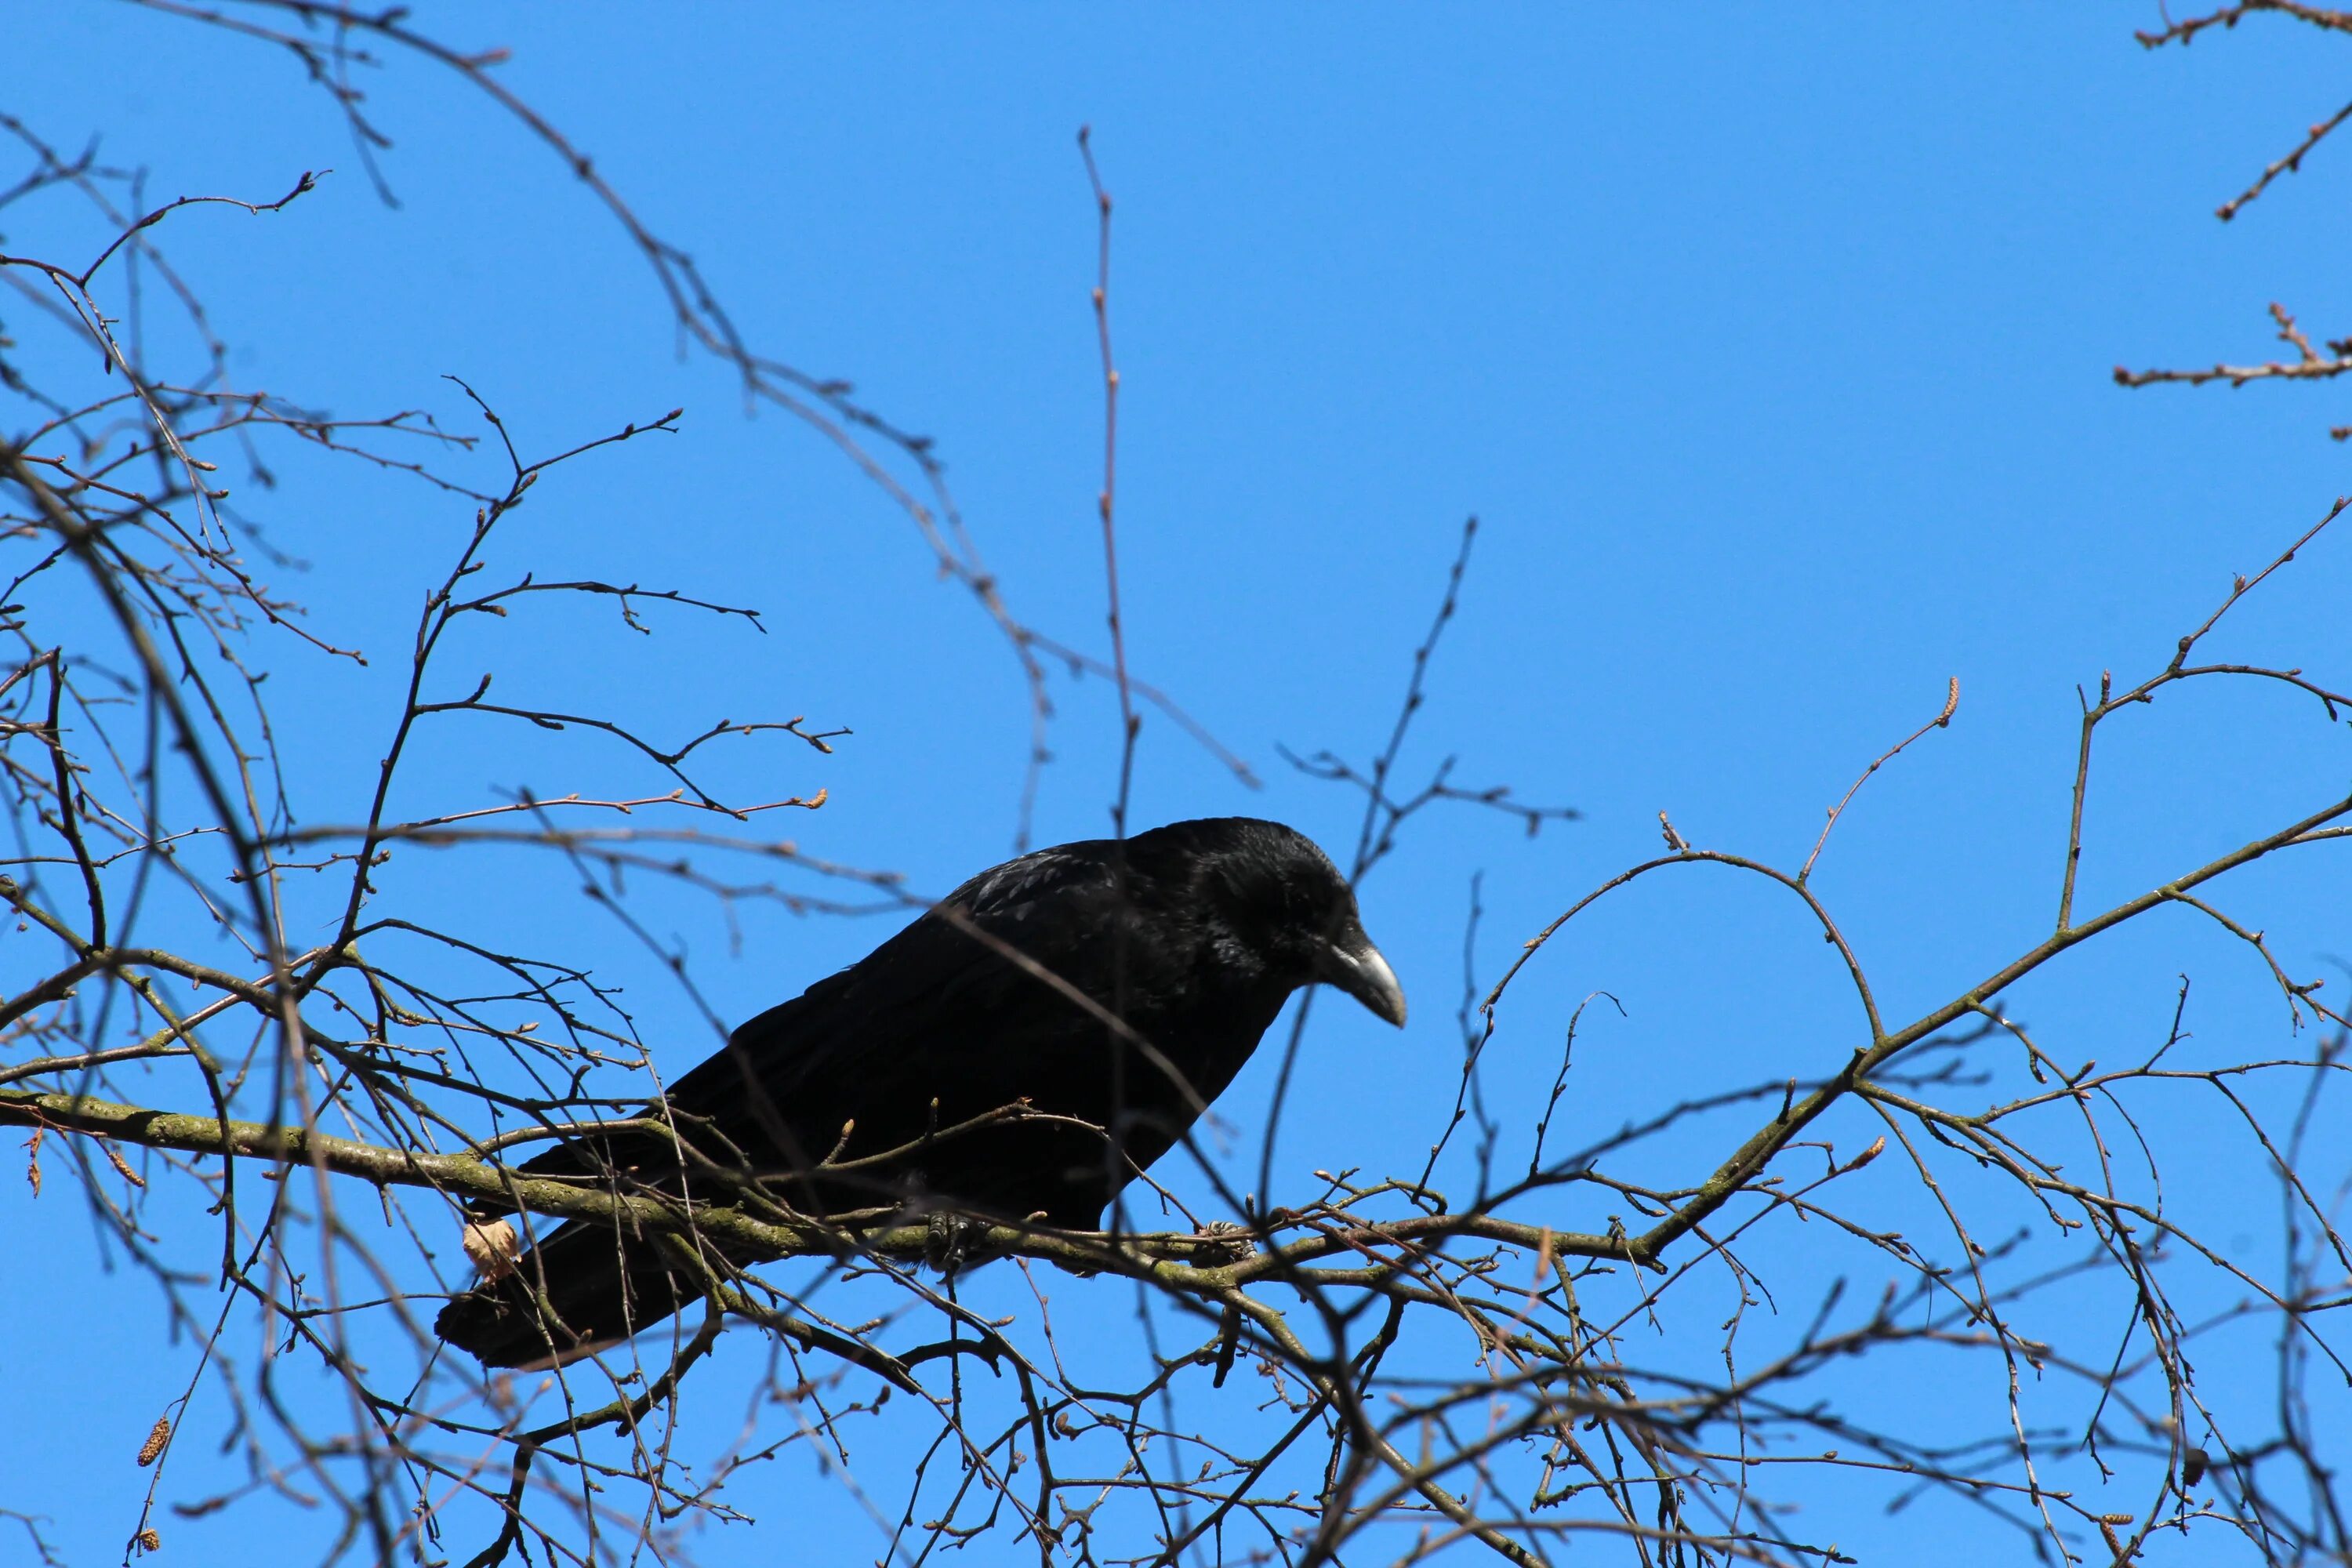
{"type": "Point", "coordinates": [1772, 348]}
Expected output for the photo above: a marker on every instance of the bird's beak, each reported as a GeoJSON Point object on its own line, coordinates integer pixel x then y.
{"type": "Point", "coordinates": [1351, 962]}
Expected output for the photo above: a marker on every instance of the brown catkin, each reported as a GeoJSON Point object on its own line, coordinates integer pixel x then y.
{"type": "Point", "coordinates": [152, 1448]}
{"type": "Point", "coordinates": [114, 1156]}
{"type": "Point", "coordinates": [151, 1541]}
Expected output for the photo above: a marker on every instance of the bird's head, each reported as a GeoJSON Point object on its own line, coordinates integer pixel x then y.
{"type": "Point", "coordinates": [1283, 898]}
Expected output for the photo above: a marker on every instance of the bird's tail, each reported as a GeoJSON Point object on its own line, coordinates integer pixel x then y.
{"type": "Point", "coordinates": [583, 1288]}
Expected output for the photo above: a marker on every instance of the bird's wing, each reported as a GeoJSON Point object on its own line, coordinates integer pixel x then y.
{"type": "Point", "coordinates": [941, 1011]}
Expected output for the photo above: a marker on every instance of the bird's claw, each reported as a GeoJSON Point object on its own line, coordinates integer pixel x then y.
{"type": "Point", "coordinates": [947, 1240]}
{"type": "Point", "coordinates": [1227, 1243]}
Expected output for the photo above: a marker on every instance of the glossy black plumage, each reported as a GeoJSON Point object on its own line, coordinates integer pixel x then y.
{"type": "Point", "coordinates": [851, 1097]}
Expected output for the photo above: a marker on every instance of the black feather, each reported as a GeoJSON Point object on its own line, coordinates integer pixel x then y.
{"type": "Point", "coordinates": [945, 1071]}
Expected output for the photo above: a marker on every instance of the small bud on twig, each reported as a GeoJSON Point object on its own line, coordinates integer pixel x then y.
{"type": "Point", "coordinates": [1867, 1156]}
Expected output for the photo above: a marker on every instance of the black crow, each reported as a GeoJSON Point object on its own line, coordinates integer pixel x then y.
{"type": "Point", "coordinates": [1020, 1052]}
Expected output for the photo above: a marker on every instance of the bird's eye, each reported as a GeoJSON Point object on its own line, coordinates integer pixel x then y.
{"type": "Point", "coordinates": [1316, 909]}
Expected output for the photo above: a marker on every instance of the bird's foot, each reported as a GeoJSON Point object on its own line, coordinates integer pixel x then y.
{"type": "Point", "coordinates": [950, 1241]}
{"type": "Point", "coordinates": [1227, 1243]}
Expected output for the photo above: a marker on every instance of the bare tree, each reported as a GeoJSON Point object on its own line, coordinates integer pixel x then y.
{"type": "Point", "coordinates": [2309, 363]}
{"type": "Point", "coordinates": [287, 1137]}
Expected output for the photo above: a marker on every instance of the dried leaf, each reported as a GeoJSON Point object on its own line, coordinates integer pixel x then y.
{"type": "Point", "coordinates": [492, 1245]}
